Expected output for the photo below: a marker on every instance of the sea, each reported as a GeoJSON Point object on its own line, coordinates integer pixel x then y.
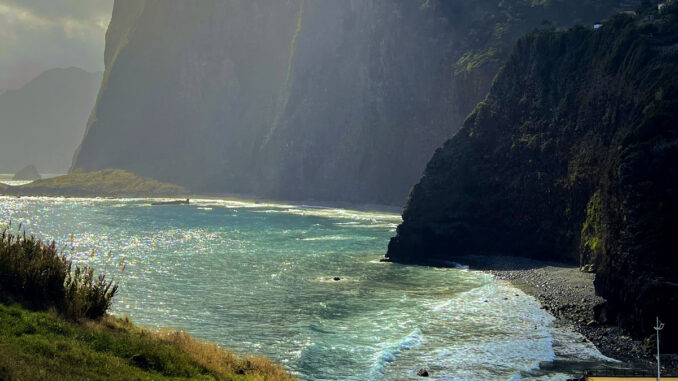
{"type": "Point", "coordinates": [259, 278]}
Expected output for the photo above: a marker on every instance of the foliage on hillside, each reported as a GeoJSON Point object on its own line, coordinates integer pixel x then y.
{"type": "Point", "coordinates": [36, 274]}
{"type": "Point", "coordinates": [570, 157]}
{"type": "Point", "coordinates": [104, 183]}
{"type": "Point", "coordinates": [42, 345]}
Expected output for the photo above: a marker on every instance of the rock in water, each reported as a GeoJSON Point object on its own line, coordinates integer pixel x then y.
{"type": "Point", "coordinates": [27, 173]}
{"type": "Point", "coordinates": [571, 157]}
{"type": "Point", "coordinates": [422, 373]}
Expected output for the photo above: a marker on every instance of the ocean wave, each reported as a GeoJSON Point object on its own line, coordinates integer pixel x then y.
{"type": "Point", "coordinates": [571, 345]}
{"type": "Point", "coordinates": [328, 238]}
{"type": "Point", "coordinates": [456, 265]}
{"type": "Point", "coordinates": [334, 213]}
{"type": "Point", "coordinates": [389, 353]}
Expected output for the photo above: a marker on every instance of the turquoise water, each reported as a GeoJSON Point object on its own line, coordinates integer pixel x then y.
{"type": "Point", "coordinates": [258, 278]}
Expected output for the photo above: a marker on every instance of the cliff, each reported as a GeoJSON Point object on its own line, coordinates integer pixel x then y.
{"type": "Point", "coordinates": [43, 122]}
{"type": "Point", "coordinates": [571, 157]}
{"type": "Point", "coordinates": [302, 99]}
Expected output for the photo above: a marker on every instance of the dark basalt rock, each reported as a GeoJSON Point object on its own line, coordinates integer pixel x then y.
{"type": "Point", "coordinates": [571, 157]}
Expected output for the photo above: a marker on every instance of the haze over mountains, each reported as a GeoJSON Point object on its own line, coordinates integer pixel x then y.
{"type": "Point", "coordinates": [325, 100]}
{"type": "Point", "coordinates": [43, 122]}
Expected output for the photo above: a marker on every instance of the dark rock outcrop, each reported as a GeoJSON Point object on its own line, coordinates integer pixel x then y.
{"type": "Point", "coordinates": [301, 99]}
{"type": "Point", "coordinates": [28, 172]}
{"type": "Point", "coordinates": [571, 157]}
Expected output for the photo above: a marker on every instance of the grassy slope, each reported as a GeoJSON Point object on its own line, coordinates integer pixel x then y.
{"type": "Point", "coordinates": [104, 183]}
{"type": "Point", "coordinates": [40, 345]}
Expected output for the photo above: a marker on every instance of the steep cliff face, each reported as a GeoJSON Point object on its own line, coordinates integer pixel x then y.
{"type": "Point", "coordinates": [189, 88]}
{"type": "Point", "coordinates": [301, 99]}
{"type": "Point", "coordinates": [572, 156]}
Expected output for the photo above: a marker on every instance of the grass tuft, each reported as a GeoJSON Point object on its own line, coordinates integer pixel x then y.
{"type": "Point", "coordinates": [44, 345]}
{"type": "Point", "coordinates": [37, 275]}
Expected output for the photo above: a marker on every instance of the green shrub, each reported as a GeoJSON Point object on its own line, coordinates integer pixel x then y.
{"type": "Point", "coordinates": [86, 295]}
{"type": "Point", "coordinates": [37, 275]}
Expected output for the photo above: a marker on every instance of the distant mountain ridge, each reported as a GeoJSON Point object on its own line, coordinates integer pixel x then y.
{"type": "Point", "coordinates": [302, 99]}
{"type": "Point", "coordinates": [43, 122]}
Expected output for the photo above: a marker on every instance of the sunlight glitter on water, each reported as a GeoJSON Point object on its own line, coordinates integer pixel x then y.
{"type": "Point", "coordinates": [263, 283]}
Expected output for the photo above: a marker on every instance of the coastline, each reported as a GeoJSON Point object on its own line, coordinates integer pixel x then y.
{"type": "Point", "coordinates": [562, 290]}
{"type": "Point", "coordinates": [235, 197]}
{"type": "Point", "coordinates": [362, 207]}
{"type": "Point", "coordinates": [569, 295]}
{"type": "Point", "coordinates": [200, 200]}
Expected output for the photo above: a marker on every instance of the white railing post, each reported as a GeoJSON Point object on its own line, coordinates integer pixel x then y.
{"type": "Point", "coordinates": [658, 328]}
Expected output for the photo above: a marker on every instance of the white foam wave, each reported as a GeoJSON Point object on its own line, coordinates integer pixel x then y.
{"type": "Point", "coordinates": [328, 238]}
{"type": "Point", "coordinates": [371, 217]}
{"type": "Point", "coordinates": [389, 353]}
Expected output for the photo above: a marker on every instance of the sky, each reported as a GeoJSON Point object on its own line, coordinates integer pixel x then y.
{"type": "Point", "coordinates": [36, 35]}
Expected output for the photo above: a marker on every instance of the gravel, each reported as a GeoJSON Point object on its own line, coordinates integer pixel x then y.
{"type": "Point", "coordinates": [569, 295]}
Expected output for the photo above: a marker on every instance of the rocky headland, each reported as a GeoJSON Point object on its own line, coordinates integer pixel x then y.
{"type": "Point", "coordinates": [104, 183]}
{"type": "Point", "coordinates": [570, 158]}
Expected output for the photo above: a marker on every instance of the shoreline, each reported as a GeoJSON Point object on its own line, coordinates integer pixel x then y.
{"type": "Point", "coordinates": [378, 211]}
{"type": "Point", "coordinates": [319, 204]}
{"type": "Point", "coordinates": [561, 289]}
{"type": "Point", "coordinates": [244, 198]}
{"type": "Point", "coordinates": [569, 295]}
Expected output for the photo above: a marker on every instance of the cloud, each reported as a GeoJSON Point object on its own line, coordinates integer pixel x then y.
{"type": "Point", "coordinates": [79, 9]}
{"type": "Point", "coordinates": [36, 35]}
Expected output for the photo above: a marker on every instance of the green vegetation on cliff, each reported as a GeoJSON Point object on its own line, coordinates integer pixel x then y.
{"type": "Point", "coordinates": [571, 157]}
{"type": "Point", "coordinates": [37, 275]}
{"type": "Point", "coordinates": [104, 183]}
{"type": "Point", "coordinates": [301, 99]}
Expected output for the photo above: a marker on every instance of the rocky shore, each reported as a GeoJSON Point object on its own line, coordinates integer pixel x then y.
{"type": "Point", "coordinates": [569, 295]}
